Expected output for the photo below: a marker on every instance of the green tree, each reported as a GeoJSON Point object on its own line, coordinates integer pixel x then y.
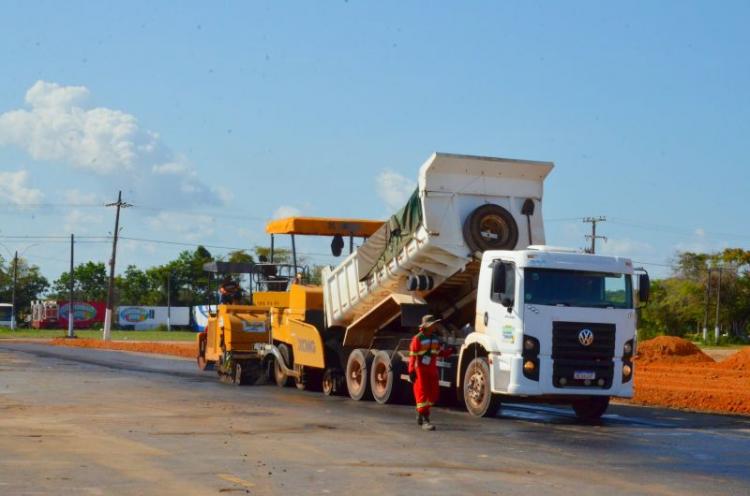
{"type": "Point", "coordinates": [189, 283]}
{"type": "Point", "coordinates": [239, 256]}
{"type": "Point", "coordinates": [280, 255]}
{"type": "Point", "coordinates": [91, 282]}
{"type": "Point", "coordinates": [679, 305]}
{"type": "Point", "coordinates": [135, 287]}
{"type": "Point", "coordinates": [30, 283]}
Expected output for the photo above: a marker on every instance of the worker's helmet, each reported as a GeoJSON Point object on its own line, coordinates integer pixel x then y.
{"type": "Point", "coordinates": [428, 321]}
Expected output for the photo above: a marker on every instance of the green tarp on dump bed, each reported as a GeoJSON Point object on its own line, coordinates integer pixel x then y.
{"type": "Point", "coordinates": [381, 247]}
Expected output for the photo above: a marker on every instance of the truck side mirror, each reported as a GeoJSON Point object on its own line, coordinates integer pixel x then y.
{"type": "Point", "coordinates": [644, 288]}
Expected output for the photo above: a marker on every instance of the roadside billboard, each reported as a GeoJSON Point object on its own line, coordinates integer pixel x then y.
{"type": "Point", "coordinates": [142, 318]}
{"type": "Point", "coordinates": [200, 317]}
{"type": "Point", "coordinates": [85, 313]}
{"type": "Point", "coordinates": [6, 310]}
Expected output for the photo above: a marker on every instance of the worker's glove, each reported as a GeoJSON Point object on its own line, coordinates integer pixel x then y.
{"type": "Point", "coordinates": [412, 376]}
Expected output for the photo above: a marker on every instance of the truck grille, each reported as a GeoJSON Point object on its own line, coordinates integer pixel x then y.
{"type": "Point", "coordinates": [570, 356]}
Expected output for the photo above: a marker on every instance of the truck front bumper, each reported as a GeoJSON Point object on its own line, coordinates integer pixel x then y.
{"type": "Point", "coordinates": [508, 378]}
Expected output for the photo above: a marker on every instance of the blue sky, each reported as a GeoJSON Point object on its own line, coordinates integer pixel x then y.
{"type": "Point", "coordinates": [215, 116]}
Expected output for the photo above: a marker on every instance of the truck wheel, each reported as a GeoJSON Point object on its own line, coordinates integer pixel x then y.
{"type": "Point", "coordinates": [383, 378]}
{"type": "Point", "coordinates": [238, 374]}
{"type": "Point", "coordinates": [480, 402]}
{"type": "Point", "coordinates": [309, 379]}
{"type": "Point", "coordinates": [357, 378]}
{"type": "Point", "coordinates": [282, 380]}
{"type": "Point", "coordinates": [203, 364]}
{"type": "Point", "coordinates": [490, 227]}
{"type": "Point", "coordinates": [247, 372]}
{"type": "Point", "coordinates": [591, 408]}
{"type": "Point", "coordinates": [332, 382]}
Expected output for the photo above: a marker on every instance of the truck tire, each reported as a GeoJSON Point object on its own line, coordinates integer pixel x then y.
{"type": "Point", "coordinates": [333, 382]}
{"type": "Point", "coordinates": [357, 377]}
{"type": "Point", "coordinates": [246, 372]}
{"type": "Point", "coordinates": [279, 376]}
{"type": "Point", "coordinates": [309, 379]}
{"type": "Point", "coordinates": [480, 402]}
{"type": "Point", "coordinates": [490, 227]}
{"type": "Point", "coordinates": [203, 364]}
{"type": "Point", "coordinates": [239, 377]}
{"type": "Point", "coordinates": [591, 408]}
{"type": "Point", "coordinates": [384, 379]}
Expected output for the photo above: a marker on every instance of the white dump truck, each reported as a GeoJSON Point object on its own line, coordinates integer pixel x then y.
{"type": "Point", "coordinates": [528, 321]}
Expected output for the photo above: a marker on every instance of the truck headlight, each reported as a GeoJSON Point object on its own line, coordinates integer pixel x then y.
{"type": "Point", "coordinates": [626, 370]}
{"type": "Point", "coordinates": [628, 348]}
{"type": "Point", "coordinates": [528, 344]}
{"type": "Point", "coordinates": [529, 366]}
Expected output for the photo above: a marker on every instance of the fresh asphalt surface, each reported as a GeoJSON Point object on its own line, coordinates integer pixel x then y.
{"type": "Point", "coordinates": [78, 421]}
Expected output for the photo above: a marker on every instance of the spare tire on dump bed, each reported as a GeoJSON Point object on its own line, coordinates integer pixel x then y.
{"type": "Point", "coordinates": [490, 227]}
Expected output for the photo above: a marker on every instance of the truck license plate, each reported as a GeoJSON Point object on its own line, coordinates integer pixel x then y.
{"type": "Point", "coordinates": [582, 375]}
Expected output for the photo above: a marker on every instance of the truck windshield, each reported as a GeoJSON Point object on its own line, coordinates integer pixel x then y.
{"type": "Point", "coordinates": [577, 288]}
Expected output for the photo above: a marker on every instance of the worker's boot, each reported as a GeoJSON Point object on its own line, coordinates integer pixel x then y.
{"type": "Point", "coordinates": [420, 419]}
{"type": "Point", "coordinates": [426, 425]}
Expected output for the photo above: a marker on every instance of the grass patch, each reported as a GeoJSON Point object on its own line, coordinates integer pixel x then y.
{"type": "Point", "coordinates": [6, 333]}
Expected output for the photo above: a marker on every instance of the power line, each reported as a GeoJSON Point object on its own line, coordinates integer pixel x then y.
{"type": "Point", "coordinates": [675, 229]}
{"type": "Point", "coordinates": [180, 243]}
{"type": "Point", "coordinates": [50, 236]}
{"type": "Point", "coordinates": [564, 219]}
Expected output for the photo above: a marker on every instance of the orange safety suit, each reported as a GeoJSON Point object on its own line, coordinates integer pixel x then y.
{"type": "Point", "coordinates": [424, 351]}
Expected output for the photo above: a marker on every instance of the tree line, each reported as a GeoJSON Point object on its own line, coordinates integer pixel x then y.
{"type": "Point", "coordinates": [684, 302]}
{"type": "Point", "coordinates": [184, 277]}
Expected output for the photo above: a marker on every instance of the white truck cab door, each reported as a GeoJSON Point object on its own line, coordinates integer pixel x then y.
{"type": "Point", "coordinates": [502, 310]}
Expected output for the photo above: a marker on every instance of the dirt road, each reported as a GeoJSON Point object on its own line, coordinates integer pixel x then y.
{"type": "Point", "coordinates": [76, 421]}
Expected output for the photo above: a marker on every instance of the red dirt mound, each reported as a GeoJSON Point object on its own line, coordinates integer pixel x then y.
{"type": "Point", "coordinates": [738, 361]}
{"type": "Point", "coordinates": [670, 349]}
{"type": "Point", "coordinates": [187, 350]}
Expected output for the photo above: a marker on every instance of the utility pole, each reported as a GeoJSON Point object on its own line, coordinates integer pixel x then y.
{"type": "Point", "coordinates": [593, 237]}
{"type": "Point", "coordinates": [718, 305]}
{"type": "Point", "coordinates": [708, 301]}
{"type": "Point", "coordinates": [169, 301]}
{"type": "Point", "coordinates": [71, 304]}
{"type": "Point", "coordinates": [13, 297]}
{"type": "Point", "coordinates": [107, 332]}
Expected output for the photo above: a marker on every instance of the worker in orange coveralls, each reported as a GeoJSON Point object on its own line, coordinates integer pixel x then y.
{"type": "Point", "coordinates": [424, 351]}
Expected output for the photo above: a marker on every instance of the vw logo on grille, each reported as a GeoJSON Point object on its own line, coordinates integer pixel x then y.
{"type": "Point", "coordinates": [586, 337]}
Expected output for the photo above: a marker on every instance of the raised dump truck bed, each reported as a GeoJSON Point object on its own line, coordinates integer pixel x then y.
{"type": "Point", "coordinates": [463, 205]}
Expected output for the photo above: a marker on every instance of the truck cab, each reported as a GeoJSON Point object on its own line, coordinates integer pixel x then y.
{"type": "Point", "coordinates": [554, 324]}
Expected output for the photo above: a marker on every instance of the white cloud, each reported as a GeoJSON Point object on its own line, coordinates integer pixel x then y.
{"type": "Point", "coordinates": [78, 221]}
{"type": "Point", "coordinates": [394, 189]}
{"type": "Point", "coordinates": [134, 247]}
{"type": "Point", "coordinates": [625, 247]}
{"type": "Point", "coordinates": [188, 227]}
{"type": "Point", "coordinates": [47, 95]}
{"type": "Point", "coordinates": [13, 189]}
{"type": "Point", "coordinates": [174, 168]}
{"type": "Point", "coordinates": [78, 197]}
{"type": "Point", "coordinates": [225, 194]}
{"type": "Point", "coordinates": [59, 126]}
{"type": "Point", "coordinates": [286, 211]}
